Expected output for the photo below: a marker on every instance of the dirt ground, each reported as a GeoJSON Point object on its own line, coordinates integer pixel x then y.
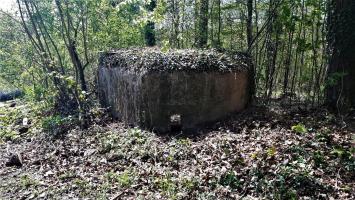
{"type": "Point", "coordinates": [274, 152]}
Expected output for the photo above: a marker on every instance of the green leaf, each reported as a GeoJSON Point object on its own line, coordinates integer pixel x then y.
{"type": "Point", "coordinates": [299, 128]}
{"type": "Point", "coordinates": [271, 151]}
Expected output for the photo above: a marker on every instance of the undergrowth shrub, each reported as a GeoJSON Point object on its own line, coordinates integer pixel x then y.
{"type": "Point", "coordinates": [230, 179]}
{"type": "Point", "coordinates": [57, 124]}
{"type": "Point", "coordinates": [12, 118]}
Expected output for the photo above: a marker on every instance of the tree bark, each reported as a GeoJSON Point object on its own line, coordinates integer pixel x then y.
{"type": "Point", "coordinates": [71, 46]}
{"type": "Point", "coordinates": [203, 24]}
{"type": "Point", "coordinates": [149, 29]}
{"type": "Point", "coordinates": [250, 23]}
{"type": "Point", "coordinates": [340, 93]}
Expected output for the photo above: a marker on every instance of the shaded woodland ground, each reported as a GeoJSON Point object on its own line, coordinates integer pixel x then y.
{"type": "Point", "coordinates": [274, 152]}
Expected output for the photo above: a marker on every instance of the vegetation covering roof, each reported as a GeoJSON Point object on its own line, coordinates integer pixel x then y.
{"type": "Point", "coordinates": [154, 59]}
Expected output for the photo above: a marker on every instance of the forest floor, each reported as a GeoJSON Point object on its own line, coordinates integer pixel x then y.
{"type": "Point", "coordinates": [274, 152]}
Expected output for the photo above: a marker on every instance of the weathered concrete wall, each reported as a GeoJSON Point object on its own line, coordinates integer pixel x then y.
{"type": "Point", "coordinates": [149, 99]}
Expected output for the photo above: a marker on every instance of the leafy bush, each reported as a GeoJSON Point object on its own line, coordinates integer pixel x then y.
{"type": "Point", "coordinates": [8, 134]}
{"type": "Point", "coordinates": [9, 119]}
{"type": "Point", "coordinates": [57, 124]}
{"type": "Point", "coordinates": [167, 185]}
{"type": "Point", "coordinates": [109, 142]}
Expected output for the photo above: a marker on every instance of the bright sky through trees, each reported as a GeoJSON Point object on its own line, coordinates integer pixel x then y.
{"type": "Point", "coordinates": [6, 4]}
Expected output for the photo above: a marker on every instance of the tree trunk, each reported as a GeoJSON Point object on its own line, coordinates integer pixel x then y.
{"type": "Point", "coordinates": [196, 22]}
{"type": "Point", "coordinates": [250, 23]}
{"type": "Point", "coordinates": [340, 92]}
{"type": "Point", "coordinates": [78, 65]}
{"type": "Point", "coordinates": [219, 24]}
{"type": "Point", "coordinates": [175, 41]}
{"type": "Point", "coordinates": [203, 25]}
{"type": "Point", "coordinates": [149, 29]}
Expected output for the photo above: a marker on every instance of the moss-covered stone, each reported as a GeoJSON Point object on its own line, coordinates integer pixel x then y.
{"type": "Point", "coordinates": [153, 59]}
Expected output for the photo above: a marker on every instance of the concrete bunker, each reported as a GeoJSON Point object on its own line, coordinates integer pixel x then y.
{"type": "Point", "coordinates": [173, 91]}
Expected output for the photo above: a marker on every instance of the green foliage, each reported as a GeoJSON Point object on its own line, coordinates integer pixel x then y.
{"type": "Point", "coordinates": [57, 124]}
{"type": "Point", "coordinates": [8, 135]}
{"type": "Point", "coordinates": [8, 115]}
{"type": "Point", "coordinates": [26, 181]}
{"type": "Point", "coordinates": [294, 177]}
{"type": "Point", "coordinates": [83, 185]}
{"type": "Point", "coordinates": [334, 78]}
{"type": "Point", "coordinates": [296, 30]}
{"type": "Point", "coordinates": [52, 122]}
{"type": "Point", "coordinates": [271, 151]}
{"type": "Point", "coordinates": [299, 128]}
{"type": "Point", "coordinates": [230, 179]}
{"type": "Point", "coordinates": [167, 185]}
{"type": "Point", "coordinates": [68, 175]}
{"type": "Point", "coordinates": [109, 142]}
{"type": "Point", "coordinates": [136, 132]}
{"type": "Point", "coordinates": [319, 159]}
{"type": "Point", "coordinates": [324, 136]}
{"type": "Point", "coordinates": [116, 27]}
{"type": "Point", "coordinates": [165, 47]}
{"type": "Point", "coordinates": [189, 184]}
{"type": "Point", "coordinates": [184, 142]}
{"type": "Point", "coordinates": [11, 119]}
{"type": "Point", "coordinates": [52, 75]}
{"type": "Point", "coordinates": [15, 54]}
{"type": "Point", "coordinates": [124, 179]}
{"type": "Point", "coordinates": [281, 189]}
{"type": "Point", "coordinates": [345, 154]}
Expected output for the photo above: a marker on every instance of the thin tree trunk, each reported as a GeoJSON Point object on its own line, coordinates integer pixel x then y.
{"type": "Point", "coordinates": [71, 46]}
{"type": "Point", "coordinates": [203, 24]}
{"type": "Point", "coordinates": [250, 24]}
{"type": "Point", "coordinates": [219, 24]}
{"type": "Point", "coordinates": [149, 29]}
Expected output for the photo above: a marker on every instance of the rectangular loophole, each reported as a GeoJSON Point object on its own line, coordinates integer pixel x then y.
{"type": "Point", "coordinates": [175, 123]}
